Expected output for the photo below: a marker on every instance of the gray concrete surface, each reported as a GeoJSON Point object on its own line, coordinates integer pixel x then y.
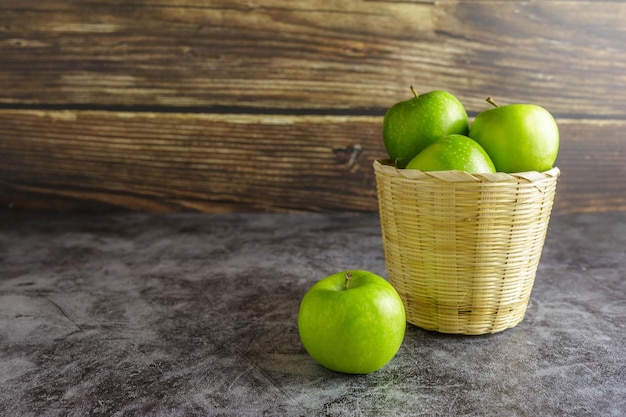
{"type": "Point", "coordinates": [195, 315]}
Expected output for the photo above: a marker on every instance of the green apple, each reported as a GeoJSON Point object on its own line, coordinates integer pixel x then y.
{"type": "Point", "coordinates": [453, 152]}
{"type": "Point", "coordinates": [410, 126]}
{"type": "Point", "coordinates": [352, 322]}
{"type": "Point", "coordinates": [517, 137]}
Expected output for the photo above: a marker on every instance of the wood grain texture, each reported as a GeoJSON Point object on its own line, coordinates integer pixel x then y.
{"type": "Point", "coordinates": [219, 163]}
{"type": "Point", "coordinates": [276, 105]}
{"type": "Point", "coordinates": [354, 55]}
{"type": "Point", "coordinates": [165, 162]}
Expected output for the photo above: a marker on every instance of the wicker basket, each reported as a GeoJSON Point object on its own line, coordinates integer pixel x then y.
{"type": "Point", "coordinates": [462, 249]}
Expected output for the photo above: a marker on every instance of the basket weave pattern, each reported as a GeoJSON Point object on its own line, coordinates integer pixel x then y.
{"type": "Point", "coordinates": [462, 249]}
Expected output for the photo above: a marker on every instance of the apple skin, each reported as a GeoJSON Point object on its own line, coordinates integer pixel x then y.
{"type": "Point", "coordinates": [356, 330]}
{"type": "Point", "coordinates": [518, 137]}
{"type": "Point", "coordinates": [453, 152]}
{"type": "Point", "coordinates": [411, 125]}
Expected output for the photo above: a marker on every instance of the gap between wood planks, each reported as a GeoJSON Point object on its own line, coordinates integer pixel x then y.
{"type": "Point", "coordinates": [312, 111]}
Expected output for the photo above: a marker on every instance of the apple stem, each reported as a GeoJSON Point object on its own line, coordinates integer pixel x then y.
{"type": "Point", "coordinates": [414, 92]}
{"type": "Point", "coordinates": [348, 277]}
{"type": "Point", "coordinates": [491, 101]}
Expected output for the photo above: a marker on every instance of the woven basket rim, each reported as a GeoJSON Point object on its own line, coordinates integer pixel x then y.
{"type": "Point", "coordinates": [386, 167]}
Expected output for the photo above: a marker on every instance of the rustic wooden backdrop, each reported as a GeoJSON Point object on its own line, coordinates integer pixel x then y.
{"type": "Point", "coordinates": [276, 105]}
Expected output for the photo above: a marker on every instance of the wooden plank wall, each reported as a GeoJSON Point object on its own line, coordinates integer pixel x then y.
{"type": "Point", "coordinates": [277, 105]}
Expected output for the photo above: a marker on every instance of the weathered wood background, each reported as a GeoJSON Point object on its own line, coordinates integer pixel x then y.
{"type": "Point", "coordinates": [277, 105]}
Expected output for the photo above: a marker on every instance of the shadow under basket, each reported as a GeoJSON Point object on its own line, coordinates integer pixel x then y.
{"type": "Point", "coordinates": [462, 249]}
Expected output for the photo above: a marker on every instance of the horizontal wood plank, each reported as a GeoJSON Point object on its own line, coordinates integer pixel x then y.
{"type": "Point", "coordinates": [164, 162]}
{"type": "Point", "coordinates": [353, 56]}
{"type": "Point", "coordinates": [215, 163]}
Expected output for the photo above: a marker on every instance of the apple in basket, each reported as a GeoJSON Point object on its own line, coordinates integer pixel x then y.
{"type": "Point", "coordinates": [454, 152]}
{"type": "Point", "coordinates": [410, 126]}
{"type": "Point", "coordinates": [352, 322]}
{"type": "Point", "coordinates": [517, 137]}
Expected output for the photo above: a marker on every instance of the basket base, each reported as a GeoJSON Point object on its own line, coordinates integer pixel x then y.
{"type": "Point", "coordinates": [451, 321]}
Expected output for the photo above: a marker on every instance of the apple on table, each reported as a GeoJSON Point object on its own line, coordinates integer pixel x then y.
{"type": "Point", "coordinates": [352, 322]}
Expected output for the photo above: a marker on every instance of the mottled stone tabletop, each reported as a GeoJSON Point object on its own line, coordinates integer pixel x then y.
{"type": "Point", "coordinates": [195, 315]}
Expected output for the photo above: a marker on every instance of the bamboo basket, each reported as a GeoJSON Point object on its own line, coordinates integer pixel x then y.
{"type": "Point", "coordinates": [462, 249]}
